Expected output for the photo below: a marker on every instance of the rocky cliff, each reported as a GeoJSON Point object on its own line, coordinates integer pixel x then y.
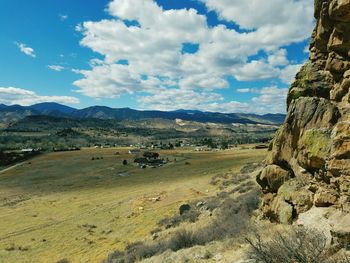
{"type": "Point", "coordinates": [308, 164]}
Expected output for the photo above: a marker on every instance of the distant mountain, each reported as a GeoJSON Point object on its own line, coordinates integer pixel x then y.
{"type": "Point", "coordinates": [277, 118]}
{"type": "Point", "coordinates": [15, 112]}
{"type": "Point", "coordinates": [48, 107]}
{"type": "Point", "coordinates": [126, 113]}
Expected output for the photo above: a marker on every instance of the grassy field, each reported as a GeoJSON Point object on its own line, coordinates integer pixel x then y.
{"type": "Point", "coordinates": [65, 205]}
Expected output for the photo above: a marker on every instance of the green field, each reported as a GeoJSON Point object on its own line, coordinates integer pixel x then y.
{"type": "Point", "coordinates": [65, 205]}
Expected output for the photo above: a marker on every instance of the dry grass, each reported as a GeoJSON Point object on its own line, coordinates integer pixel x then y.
{"type": "Point", "coordinates": [233, 218]}
{"type": "Point", "coordinates": [65, 206]}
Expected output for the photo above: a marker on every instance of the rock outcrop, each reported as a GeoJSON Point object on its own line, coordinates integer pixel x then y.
{"type": "Point", "coordinates": [309, 159]}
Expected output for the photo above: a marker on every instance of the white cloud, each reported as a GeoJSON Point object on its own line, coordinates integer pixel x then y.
{"type": "Point", "coordinates": [260, 14]}
{"type": "Point", "coordinates": [255, 70]}
{"type": "Point", "coordinates": [108, 81]}
{"type": "Point", "coordinates": [63, 17]}
{"type": "Point", "coordinates": [268, 100]}
{"type": "Point", "coordinates": [173, 99]}
{"type": "Point", "coordinates": [278, 58]}
{"type": "Point", "coordinates": [11, 96]}
{"type": "Point", "coordinates": [25, 49]}
{"type": "Point", "coordinates": [245, 90]}
{"type": "Point", "coordinates": [287, 75]}
{"type": "Point", "coordinates": [55, 67]}
{"type": "Point", "coordinates": [152, 46]}
{"type": "Point", "coordinates": [248, 90]}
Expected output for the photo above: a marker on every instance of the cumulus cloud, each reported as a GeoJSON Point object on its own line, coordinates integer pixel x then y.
{"type": "Point", "coordinates": [12, 95]}
{"type": "Point", "coordinates": [278, 58]}
{"type": "Point", "coordinates": [255, 70]}
{"type": "Point", "coordinates": [55, 67]}
{"type": "Point", "coordinates": [287, 75]}
{"type": "Point", "coordinates": [267, 15]}
{"type": "Point", "coordinates": [267, 100]}
{"type": "Point", "coordinates": [173, 99]}
{"type": "Point", "coordinates": [25, 49]}
{"type": "Point", "coordinates": [150, 39]}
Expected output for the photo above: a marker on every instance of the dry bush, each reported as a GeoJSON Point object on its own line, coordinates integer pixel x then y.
{"type": "Point", "coordinates": [232, 220]}
{"type": "Point", "coordinates": [212, 203]}
{"type": "Point", "coordinates": [188, 216]}
{"type": "Point", "coordinates": [184, 239]}
{"type": "Point", "coordinates": [250, 167]}
{"type": "Point", "coordinates": [298, 245]}
{"type": "Point", "coordinates": [245, 187]}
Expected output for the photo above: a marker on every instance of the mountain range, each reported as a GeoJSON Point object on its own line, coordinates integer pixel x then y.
{"type": "Point", "coordinates": [13, 113]}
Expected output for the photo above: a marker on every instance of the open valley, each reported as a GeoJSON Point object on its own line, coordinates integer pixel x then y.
{"type": "Point", "coordinates": [66, 205]}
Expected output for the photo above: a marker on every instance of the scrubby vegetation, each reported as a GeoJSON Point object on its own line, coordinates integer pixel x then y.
{"type": "Point", "coordinates": [231, 219]}
{"type": "Point", "coordinates": [296, 245]}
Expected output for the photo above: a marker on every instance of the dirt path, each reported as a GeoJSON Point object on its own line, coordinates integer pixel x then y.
{"type": "Point", "coordinates": [12, 167]}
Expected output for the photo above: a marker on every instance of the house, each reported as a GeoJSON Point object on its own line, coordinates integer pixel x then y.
{"type": "Point", "coordinates": [134, 151]}
{"type": "Point", "coordinates": [29, 150]}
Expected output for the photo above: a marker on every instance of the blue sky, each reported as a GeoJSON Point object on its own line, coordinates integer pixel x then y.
{"type": "Point", "coordinates": [214, 55]}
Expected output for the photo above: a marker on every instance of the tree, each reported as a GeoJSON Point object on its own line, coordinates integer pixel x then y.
{"type": "Point", "coordinates": [224, 145]}
{"type": "Point", "coordinates": [152, 155]}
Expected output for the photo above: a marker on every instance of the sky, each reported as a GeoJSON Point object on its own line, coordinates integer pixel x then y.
{"type": "Point", "coordinates": [210, 55]}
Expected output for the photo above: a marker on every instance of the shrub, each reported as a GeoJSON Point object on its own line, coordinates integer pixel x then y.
{"type": "Point", "coordinates": [188, 216]}
{"type": "Point", "coordinates": [299, 245]}
{"type": "Point", "coordinates": [153, 155]}
{"type": "Point", "coordinates": [233, 218]}
{"type": "Point", "coordinates": [212, 203]}
{"type": "Point", "coordinates": [183, 239]}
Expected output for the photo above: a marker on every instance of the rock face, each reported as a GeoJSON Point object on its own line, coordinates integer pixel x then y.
{"type": "Point", "coordinates": [309, 159]}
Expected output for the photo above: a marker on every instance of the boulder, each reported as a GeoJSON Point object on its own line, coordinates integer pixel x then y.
{"type": "Point", "coordinates": [272, 177]}
{"type": "Point", "coordinates": [339, 42]}
{"type": "Point", "coordinates": [309, 82]}
{"type": "Point", "coordinates": [325, 197]}
{"type": "Point", "coordinates": [318, 6]}
{"type": "Point", "coordinates": [283, 211]}
{"type": "Point", "coordinates": [315, 146]}
{"type": "Point", "coordinates": [339, 10]}
{"type": "Point", "coordinates": [321, 216]}
{"type": "Point", "coordinates": [337, 64]}
{"type": "Point", "coordinates": [340, 90]}
{"type": "Point", "coordinates": [339, 167]}
{"type": "Point", "coordinates": [297, 193]}
{"type": "Point", "coordinates": [341, 231]}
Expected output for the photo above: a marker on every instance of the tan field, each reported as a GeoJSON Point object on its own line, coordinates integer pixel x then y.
{"type": "Point", "coordinates": [65, 205]}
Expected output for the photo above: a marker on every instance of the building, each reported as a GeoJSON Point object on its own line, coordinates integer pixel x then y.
{"type": "Point", "coordinates": [134, 151]}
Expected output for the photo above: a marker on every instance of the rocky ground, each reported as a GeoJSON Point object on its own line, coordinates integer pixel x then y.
{"type": "Point", "coordinates": [307, 174]}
